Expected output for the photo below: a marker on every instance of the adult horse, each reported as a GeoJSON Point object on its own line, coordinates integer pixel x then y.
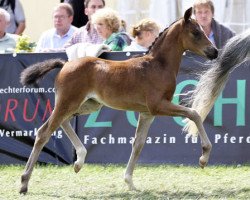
{"type": "Point", "coordinates": [212, 81]}
{"type": "Point", "coordinates": [144, 84]}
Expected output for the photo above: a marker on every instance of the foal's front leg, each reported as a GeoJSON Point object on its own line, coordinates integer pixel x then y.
{"type": "Point", "coordinates": [167, 108]}
{"type": "Point", "coordinates": [79, 147]}
{"type": "Point", "coordinates": [144, 122]}
{"type": "Point", "coordinates": [88, 107]}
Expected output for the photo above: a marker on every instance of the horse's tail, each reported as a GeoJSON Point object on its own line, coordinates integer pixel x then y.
{"type": "Point", "coordinates": [213, 81]}
{"type": "Point", "coordinates": [37, 71]}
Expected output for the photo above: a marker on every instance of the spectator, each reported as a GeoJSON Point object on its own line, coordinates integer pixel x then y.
{"type": "Point", "coordinates": [88, 33]}
{"type": "Point", "coordinates": [108, 24]}
{"type": "Point", "coordinates": [54, 39]}
{"type": "Point", "coordinates": [144, 34]}
{"type": "Point", "coordinates": [80, 18]}
{"type": "Point", "coordinates": [7, 40]}
{"type": "Point", "coordinates": [17, 17]}
{"type": "Point", "coordinates": [216, 32]}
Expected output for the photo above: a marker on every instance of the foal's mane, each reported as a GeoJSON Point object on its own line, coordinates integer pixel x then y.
{"type": "Point", "coordinates": [161, 36]}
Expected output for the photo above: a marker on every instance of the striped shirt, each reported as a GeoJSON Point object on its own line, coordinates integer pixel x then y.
{"type": "Point", "coordinates": [86, 34]}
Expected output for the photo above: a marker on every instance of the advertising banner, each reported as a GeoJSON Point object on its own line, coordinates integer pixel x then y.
{"type": "Point", "coordinates": [24, 109]}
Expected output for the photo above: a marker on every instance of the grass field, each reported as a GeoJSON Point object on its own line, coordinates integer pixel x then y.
{"type": "Point", "coordinates": [106, 182]}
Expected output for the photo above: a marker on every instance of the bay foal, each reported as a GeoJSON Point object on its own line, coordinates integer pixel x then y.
{"type": "Point", "coordinates": [144, 84]}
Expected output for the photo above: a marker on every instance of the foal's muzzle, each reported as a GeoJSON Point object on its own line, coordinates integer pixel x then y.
{"type": "Point", "coordinates": [211, 52]}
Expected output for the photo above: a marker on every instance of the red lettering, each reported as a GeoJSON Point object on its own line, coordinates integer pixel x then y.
{"type": "Point", "coordinates": [13, 110]}
{"type": "Point", "coordinates": [48, 110]}
{"type": "Point", "coordinates": [10, 109]}
{"type": "Point", "coordinates": [25, 111]}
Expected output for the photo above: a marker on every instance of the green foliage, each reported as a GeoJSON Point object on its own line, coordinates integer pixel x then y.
{"type": "Point", "coordinates": [106, 182]}
{"type": "Point", "coordinates": [24, 45]}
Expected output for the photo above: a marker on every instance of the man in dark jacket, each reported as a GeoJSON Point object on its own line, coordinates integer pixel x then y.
{"type": "Point", "coordinates": [216, 32]}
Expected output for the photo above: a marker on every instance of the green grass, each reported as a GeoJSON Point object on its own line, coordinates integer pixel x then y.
{"type": "Point", "coordinates": [106, 182]}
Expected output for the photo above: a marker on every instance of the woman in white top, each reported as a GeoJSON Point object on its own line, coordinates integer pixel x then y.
{"type": "Point", "coordinates": [144, 34]}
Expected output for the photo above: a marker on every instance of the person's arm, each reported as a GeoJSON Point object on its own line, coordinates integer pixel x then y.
{"type": "Point", "coordinates": [20, 28]}
{"type": "Point", "coordinates": [19, 18]}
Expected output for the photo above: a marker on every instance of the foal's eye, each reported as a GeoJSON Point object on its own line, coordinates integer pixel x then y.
{"type": "Point", "coordinates": [196, 33]}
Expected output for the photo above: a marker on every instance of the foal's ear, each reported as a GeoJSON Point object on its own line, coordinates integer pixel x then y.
{"type": "Point", "coordinates": [188, 14]}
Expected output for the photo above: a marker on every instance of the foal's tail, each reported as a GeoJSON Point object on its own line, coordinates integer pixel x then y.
{"type": "Point", "coordinates": [213, 81]}
{"type": "Point", "coordinates": [37, 71]}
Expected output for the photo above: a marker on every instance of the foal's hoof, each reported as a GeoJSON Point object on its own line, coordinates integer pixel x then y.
{"type": "Point", "coordinates": [202, 162]}
{"type": "Point", "coordinates": [77, 167]}
{"type": "Point", "coordinates": [132, 188]}
{"type": "Point", "coordinates": [23, 190]}
{"type": "Point", "coordinates": [130, 183]}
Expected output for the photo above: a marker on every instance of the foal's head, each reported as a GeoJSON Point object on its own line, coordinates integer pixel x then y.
{"type": "Point", "coordinates": [194, 38]}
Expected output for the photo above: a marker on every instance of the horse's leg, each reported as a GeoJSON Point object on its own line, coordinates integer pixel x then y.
{"type": "Point", "coordinates": [80, 149]}
{"type": "Point", "coordinates": [170, 109]}
{"type": "Point", "coordinates": [88, 107]}
{"type": "Point", "coordinates": [144, 122]}
{"type": "Point", "coordinates": [62, 112]}
{"type": "Point", "coordinates": [43, 135]}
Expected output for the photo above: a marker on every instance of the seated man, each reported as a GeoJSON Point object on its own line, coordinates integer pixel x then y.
{"type": "Point", "coordinates": [54, 39]}
{"type": "Point", "coordinates": [7, 40]}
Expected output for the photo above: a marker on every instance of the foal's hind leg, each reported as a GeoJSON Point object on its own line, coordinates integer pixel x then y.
{"type": "Point", "coordinates": [61, 113]}
{"type": "Point", "coordinates": [88, 107]}
{"type": "Point", "coordinates": [144, 122]}
{"type": "Point", "coordinates": [43, 135]}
